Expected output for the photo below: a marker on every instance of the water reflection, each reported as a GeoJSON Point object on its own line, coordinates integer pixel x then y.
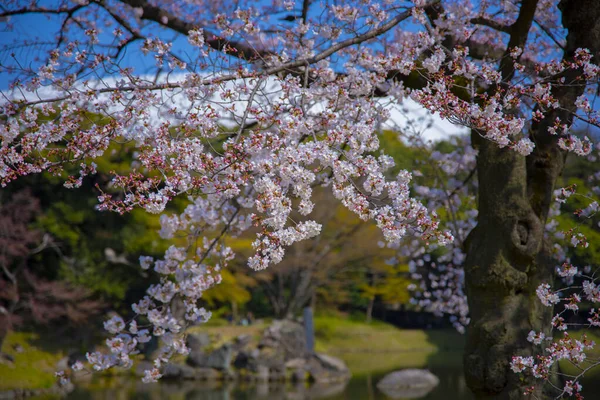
{"type": "Point", "coordinates": [452, 387]}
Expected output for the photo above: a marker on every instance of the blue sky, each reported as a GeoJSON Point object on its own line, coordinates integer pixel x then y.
{"type": "Point", "coordinates": [44, 28]}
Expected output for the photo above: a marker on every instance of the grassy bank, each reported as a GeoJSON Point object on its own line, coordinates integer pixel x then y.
{"type": "Point", "coordinates": [378, 347]}
{"type": "Point", "coordinates": [33, 368]}
{"type": "Point", "coordinates": [366, 348]}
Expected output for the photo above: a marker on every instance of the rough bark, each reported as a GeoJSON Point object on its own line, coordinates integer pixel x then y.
{"type": "Point", "coordinates": [503, 268]}
{"type": "Point", "coordinates": [506, 255]}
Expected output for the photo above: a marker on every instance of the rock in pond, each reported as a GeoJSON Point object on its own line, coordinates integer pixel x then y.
{"type": "Point", "coordinates": [219, 359]}
{"type": "Point", "coordinates": [178, 371]}
{"type": "Point", "coordinates": [408, 383]}
{"type": "Point", "coordinates": [286, 337]}
{"type": "Point", "coordinates": [242, 341]}
{"type": "Point", "coordinates": [197, 341]}
{"type": "Point", "coordinates": [327, 369]}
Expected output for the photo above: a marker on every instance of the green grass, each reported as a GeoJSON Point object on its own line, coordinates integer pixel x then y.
{"type": "Point", "coordinates": [366, 348]}
{"type": "Point", "coordinates": [33, 368]}
{"type": "Point", "coordinates": [221, 332]}
{"type": "Point", "coordinates": [377, 347]}
{"type": "Point", "coordinates": [339, 335]}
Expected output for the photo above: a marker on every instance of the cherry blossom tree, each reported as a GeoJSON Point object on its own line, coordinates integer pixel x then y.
{"type": "Point", "coordinates": [25, 296]}
{"type": "Point", "coordinates": [243, 107]}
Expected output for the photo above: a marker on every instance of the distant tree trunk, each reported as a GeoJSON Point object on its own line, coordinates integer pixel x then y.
{"type": "Point", "coordinates": [506, 255]}
{"type": "Point", "coordinates": [12, 300]}
{"type": "Point", "coordinates": [370, 310]}
{"type": "Point", "coordinates": [370, 387]}
{"type": "Point", "coordinates": [234, 310]}
{"type": "Point", "coordinates": [5, 328]}
{"type": "Point", "coordinates": [289, 292]}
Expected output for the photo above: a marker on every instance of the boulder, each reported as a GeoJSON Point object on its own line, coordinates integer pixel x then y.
{"type": "Point", "coordinates": [271, 357]}
{"type": "Point", "coordinates": [229, 375]}
{"type": "Point", "coordinates": [243, 360]}
{"type": "Point", "coordinates": [327, 369]}
{"type": "Point", "coordinates": [178, 371]}
{"type": "Point", "coordinates": [262, 373]}
{"type": "Point", "coordinates": [299, 375]}
{"type": "Point", "coordinates": [286, 337]}
{"type": "Point", "coordinates": [295, 363]}
{"type": "Point", "coordinates": [331, 363]}
{"type": "Point", "coordinates": [277, 373]}
{"type": "Point", "coordinates": [219, 359]}
{"type": "Point", "coordinates": [408, 383]}
{"type": "Point", "coordinates": [197, 341]}
{"type": "Point", "coordinates": [242, 341]}
{"type": "Point", "coordinates": [206, 374]}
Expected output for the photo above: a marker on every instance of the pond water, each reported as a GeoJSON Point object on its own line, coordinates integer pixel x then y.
{"type": "Point", "coordinates": [360, 387]}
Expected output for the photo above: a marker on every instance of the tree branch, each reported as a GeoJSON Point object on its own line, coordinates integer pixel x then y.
{"type": "Point", "coordinates": [164, 18]}
{"type": "Point", "coordinates": [40, 10]}
{"type": "Point", "coordinates": [490, 23]}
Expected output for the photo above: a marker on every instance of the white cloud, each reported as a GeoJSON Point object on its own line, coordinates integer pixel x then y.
{"type": "Point", "coordinates": [408, 117]}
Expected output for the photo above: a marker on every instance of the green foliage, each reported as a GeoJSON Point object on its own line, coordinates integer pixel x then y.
{"type": "Point", "coordinates": [567, 367]}
{"type": "Point", "coordinates": [33, 368]}
{"type": "Point", "coordinates": [576, 172]}
{"type": "Point", "coordinates": [81, 236]}
{"type": "Point", "coordinates": [404, 155]}
{"type": "Point", "coordinates": [233, 289]}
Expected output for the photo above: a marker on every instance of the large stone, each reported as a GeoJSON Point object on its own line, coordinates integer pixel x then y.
{"type": "Point", "coordinates": [262, 373]}
{"type": "Point", "coordinates": [179, 371]}
{"type": "Point", "coordinates": [331, 363]}
{"type": "Point", "coordinates": [219, 359]}
{"type": "Point", "coordinates": [243, 360]}
{"type": "Point", "coordinates": [242, 341]}
{"type": "Point", "coordinates": [206, 374]}
{"type": "Point", "coordinates": [287, 337]}
{"type": "Point", "coordinates": [295, 363]}
{"type": "Point", "coordinates": [197, 341]}
{"type": "Point", "coordinates": [299, 375]}
{"type": "Point", "coordinates": [326, 369]}
{"type": "Point", "coordinates": [408, 383]}
{"type": "Point", "coordinates": [271, 357]}
{"type": "Point", "coordinates": [277, 373]}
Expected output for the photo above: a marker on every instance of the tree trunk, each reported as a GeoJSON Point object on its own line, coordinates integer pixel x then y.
{"type": "Point", "coordinates": [234, 311]}
{"type": "Point", "coordinates": [370, 309]}
{"type": "Point", "coordinates": [506, 256]}
{"type": "Point", "coordinates": [504, 266]}
{"type": "Point", "coordinates": [4, 329]}
{"type": "Point", "coordinates": [301, 291]}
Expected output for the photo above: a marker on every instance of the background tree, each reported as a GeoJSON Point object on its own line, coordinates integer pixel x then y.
{"type": "Point", "coordinates": [312, 268]}
{"type": "Point", "coordinates": [26, 296]}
